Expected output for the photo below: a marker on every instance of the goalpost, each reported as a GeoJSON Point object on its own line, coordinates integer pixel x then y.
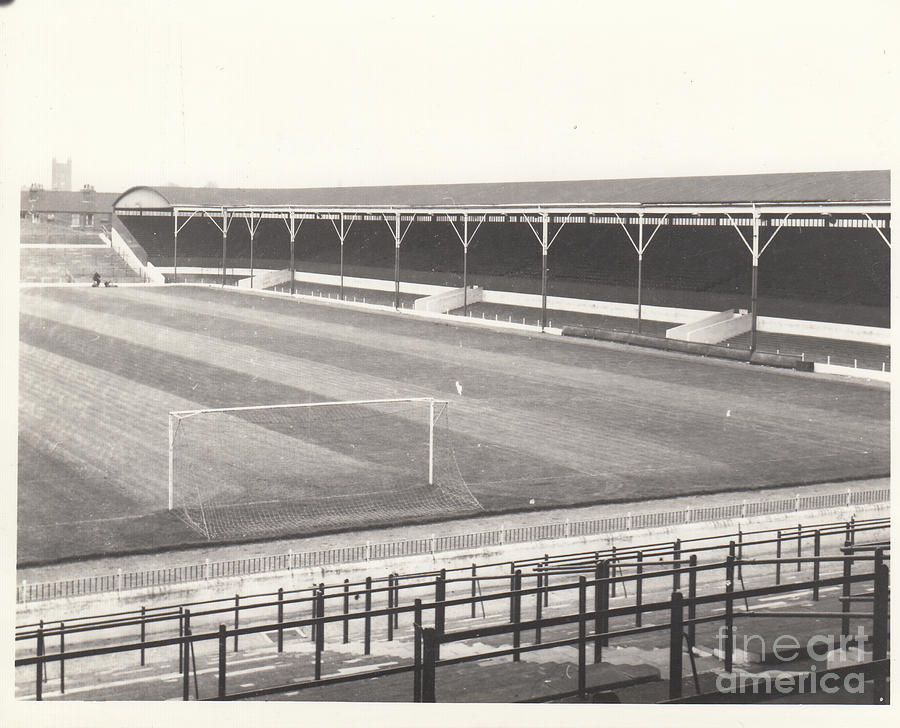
{"type": "Point", "coordinates": [238, 471]}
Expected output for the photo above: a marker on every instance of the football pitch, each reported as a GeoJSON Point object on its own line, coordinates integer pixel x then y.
{"type": "Point", "coordinates": [540, 422]}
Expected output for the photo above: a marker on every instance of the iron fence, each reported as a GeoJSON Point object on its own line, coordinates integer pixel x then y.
{"type": "Point", "coordinates": [599, 579]}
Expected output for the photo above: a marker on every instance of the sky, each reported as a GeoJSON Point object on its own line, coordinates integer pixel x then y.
{"type": "Point", "coordinates": [297, 94]}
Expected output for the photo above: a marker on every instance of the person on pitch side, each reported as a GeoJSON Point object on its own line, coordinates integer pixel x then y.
{"type": "Point", "coordinates": [96, 279]}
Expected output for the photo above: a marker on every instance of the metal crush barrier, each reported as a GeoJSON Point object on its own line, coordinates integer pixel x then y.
{"type": "Point", "coordinates": [523, 583]}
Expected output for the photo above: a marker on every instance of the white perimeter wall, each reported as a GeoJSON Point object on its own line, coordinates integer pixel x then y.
{"type": "Point", "coordinates": [767, 324]}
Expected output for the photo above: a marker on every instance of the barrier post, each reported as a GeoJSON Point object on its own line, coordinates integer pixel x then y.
{"type": "Point", "coordinates": [512, 596]}
{"type": "Point", "coordinates": [817, 544]}
{"type": "Point", "coordinates": [280, 619]}
{"type": "Point", "coordinates": [612, 570]}
{"type": "Point", "coordinates": [62, 661]}
{"type": "Point", "coordinates": [143, 632]}
{"type": "Point", "coordinates": [582, 635]}
{"type": "Point", "coordinates": [517, 612]}
{"type": "Point", "coordinates": [799, 544]}
{"type": "Point", "coordinates": [601, 606]}
{"type": "Point", "coordinates": [729, 612]}
{"type": "Point", "coordinates": [880, 625]}
{"type": "Point", "coordinates": [845, 589]}
{"type": "Point", "coordinates": [639, 589]}
{"type": "Point", "coordinates": [417, 651]}
{"type": "Point", "coordinates": [429, 658]}
{"type": "Point", "coordinates": [312, 613]}
{"type": "Point", "coordinates": [440, 593]}
{"type": "Point", "coordinates": [474, 572]}
{"type": "Point", "coordinates": [186, 662]}
{"type": "Point", "coordinates": [546, 580]}
{"type": "Point", "coordinates": [223, 640]}
{"type": "Point", "coordinates": [598, 608]}
{"type": "Point", "coordinates": [396, 599]}
{"type": "Point", "coordinates": [778, 557]}
{"type": "Point", "coordinates": [320, 631]}
{"type": "Point", "coordinates": [676, 627]}
{"type": "Point", "coordinates": [676, 567]}
{"type": "Point", "coordinates": [367, 637]}
{"type": "Point", "coordinates": [346, 611]}
{"type": "Point", "coordinates": [180, 634]}
{"type": "Point", "coordinates": [692, 601]}
{"type": "Point", "coordinates": [390, 614]}
{"type": "Point", "coordinates": [237, 619]}
{"type": "Point", "coordinates": [39, 665]}
{"type": "Point", "coordinates": [538, 607]}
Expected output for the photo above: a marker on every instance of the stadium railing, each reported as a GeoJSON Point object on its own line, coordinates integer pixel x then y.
{"type": "Point", "coordinates": [600, 577]}
{"type": "Point", "coordinates": [109, 583]}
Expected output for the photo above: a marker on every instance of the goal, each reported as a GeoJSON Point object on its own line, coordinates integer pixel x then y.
{"type": "Point", "coordinates": [312, 467]}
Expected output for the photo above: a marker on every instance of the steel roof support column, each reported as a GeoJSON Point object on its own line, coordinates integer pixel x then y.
{"type": "Point", "coordinates": [224, 242]}
{"type": "Point", "coordinates": [754, 298]}
{"type": "Point", "coordinates": [398, 239]}
{"type": "Point", "coordinates": [178, 229]}
{"type": "Point", "coordinates": [224, 230]}
{"type": "Point", "coordinates": [175, 258]}
{"type": "Point", "coordinates": [293, 227]}
{"type": "Point", "coordinates": [545, 247]}
{"type": "Point", "coordinates": [466, 240]}
{"type": "Point", "coordinates": [342, 235]}
{"type": "Point", "coordinates": [755, 254]}
{"type": "Point", "coordinates": [542, 238]}
{"type": "Point", "coordinates": [465, 265]}
{"type": "Point", "coordinates": [290, 222]}
{"type": "Point", "coordinates": [640, 247]}
{"type": "Point", "coordinates": [252, 228]}
{"type": "Point", "coordinates": [640, 279]}
{"type": "Point", "coordinates": [293, 262]}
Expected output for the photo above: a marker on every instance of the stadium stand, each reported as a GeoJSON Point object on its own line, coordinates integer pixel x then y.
{"type": "Point", "coordinates": [847, 271]}
{"type": "Point", "coordinates": [71, 264]}
{"type": "Point", "coordinates": [48, 233]}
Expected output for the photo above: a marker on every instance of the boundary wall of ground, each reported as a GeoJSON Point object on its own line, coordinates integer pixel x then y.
{"type": "Point", "coordinates": [767, 324]}
{"type": "Point", "coordinates": [303, 577]}
{"type": "Point", "coordinates": [434, 552]}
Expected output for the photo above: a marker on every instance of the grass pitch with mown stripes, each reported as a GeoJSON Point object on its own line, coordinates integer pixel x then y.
{"type": "Point", "coordinates": [539, 418]}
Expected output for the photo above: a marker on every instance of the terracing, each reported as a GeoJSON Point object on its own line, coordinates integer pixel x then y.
{"type": "Point", "coordinates": [72, 264]}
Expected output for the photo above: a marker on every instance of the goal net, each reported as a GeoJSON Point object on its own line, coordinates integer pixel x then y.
{"type": "Point", "coordinates": [305, 468]}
